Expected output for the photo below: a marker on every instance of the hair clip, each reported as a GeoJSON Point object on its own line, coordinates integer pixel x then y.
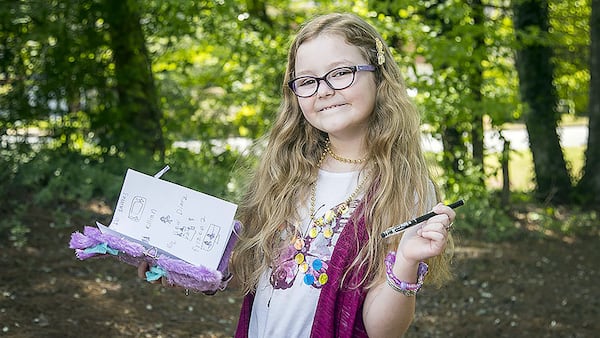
{"type": "Point", "coordinates": [380, 54]}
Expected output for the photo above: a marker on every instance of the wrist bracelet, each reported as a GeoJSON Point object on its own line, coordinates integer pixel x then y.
{"type": "Point", "coordinates": [406, 288]}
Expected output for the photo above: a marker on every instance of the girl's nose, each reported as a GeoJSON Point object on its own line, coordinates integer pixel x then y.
{"type": "Point", "coordinates": [324, 89]}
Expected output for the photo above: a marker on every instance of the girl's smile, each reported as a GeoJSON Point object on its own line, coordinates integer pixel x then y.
{"type": "Point", "coordinates": [332, 107]}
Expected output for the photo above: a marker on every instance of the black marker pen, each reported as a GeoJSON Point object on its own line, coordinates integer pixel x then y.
{"type": "Point", "coordinates": [401, 227]}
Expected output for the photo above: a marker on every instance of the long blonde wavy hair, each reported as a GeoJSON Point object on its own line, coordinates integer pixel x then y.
{"type": "Point", "coordinates": [400, 179]}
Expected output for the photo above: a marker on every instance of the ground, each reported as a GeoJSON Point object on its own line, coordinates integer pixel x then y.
{"type": "Point", "coordinates": [534, 286]}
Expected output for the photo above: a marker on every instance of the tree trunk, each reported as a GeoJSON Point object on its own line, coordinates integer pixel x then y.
{"type": "Point", "coordinates": [590, 182]}
{"type": "Point", "coordinates": [504, 161]}
{"type": "Point", "coordinates": [454, 150]}
{"type": "Point", "coordinates": [476, 88]}
{"type": "Point", "coordinates": [535, 69]}
{"type": "Point", "coordinates": [137, 123]}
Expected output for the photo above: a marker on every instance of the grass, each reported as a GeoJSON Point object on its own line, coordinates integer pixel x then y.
{"type": "Point", "coordinates": [566, 120]}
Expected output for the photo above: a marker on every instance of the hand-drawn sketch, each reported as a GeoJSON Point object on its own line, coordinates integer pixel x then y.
{"type": "Point", "coordinates": [137, 208]}
{"type": "Point", "coordinates": [152, 252]}
{"type": "Point", "coordinates": [212, 234]}
{"type": "Point", "coordinates": [185, 231]}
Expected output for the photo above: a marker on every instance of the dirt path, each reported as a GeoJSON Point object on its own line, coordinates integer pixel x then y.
{"type": "Point", "coordinates": [528, 288]}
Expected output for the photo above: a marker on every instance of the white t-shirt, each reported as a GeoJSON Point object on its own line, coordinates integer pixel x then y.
{"type": "Point", "coordinates": [288, 311]}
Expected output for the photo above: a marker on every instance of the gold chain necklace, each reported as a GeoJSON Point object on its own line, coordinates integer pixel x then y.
{"type": "Point", "coordinates": [341, 209]}
{"type": "Point", "coordinates": [340, 158]}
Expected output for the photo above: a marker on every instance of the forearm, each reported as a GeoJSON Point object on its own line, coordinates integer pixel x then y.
{"type": "Point", "coordinates": [389, 309]}
{"type": "Point", "coordinates": [387, 312]}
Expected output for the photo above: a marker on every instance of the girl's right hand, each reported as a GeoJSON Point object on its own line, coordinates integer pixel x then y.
{"type": "Point", "coordinates": [428, 239]}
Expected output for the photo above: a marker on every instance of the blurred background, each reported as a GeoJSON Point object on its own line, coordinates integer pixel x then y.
{"type": "Point", "coordinates": [509, 93]}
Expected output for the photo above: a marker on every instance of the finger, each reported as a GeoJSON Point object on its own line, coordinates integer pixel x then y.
{"type": "Point", "coordinates": [444, 209]}
{"type": "Point", "coordinates": [142, 268]}
{"type": "Point", "coordinates": [436, 228]}
{"type": "Point", "coordinates": [435, 235]}
{"type": "Point", "coordinates": [436, 239]}
{"type": "Point", "coordinates": [439, 221]}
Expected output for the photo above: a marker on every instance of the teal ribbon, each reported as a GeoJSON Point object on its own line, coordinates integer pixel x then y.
{"type": "Point", "coordinates": [155, 273]}
{"type": "Point", "coordinates": [102, 248]}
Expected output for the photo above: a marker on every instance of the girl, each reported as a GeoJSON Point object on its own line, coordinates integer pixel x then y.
{"type": "Point", "coordinates": [343, 162]}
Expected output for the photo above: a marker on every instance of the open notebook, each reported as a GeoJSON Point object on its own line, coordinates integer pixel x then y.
{"type": "Point", "coordinates": [177, 229]}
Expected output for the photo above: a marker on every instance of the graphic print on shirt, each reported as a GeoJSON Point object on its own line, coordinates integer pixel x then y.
{"type": "Point", "coordinates": [310, 254]}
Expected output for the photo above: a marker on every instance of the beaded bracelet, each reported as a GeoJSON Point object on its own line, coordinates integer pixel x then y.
{"type": "Point", "coordinates": [406, 288]}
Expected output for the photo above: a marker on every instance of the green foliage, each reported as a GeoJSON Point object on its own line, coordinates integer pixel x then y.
{"type": "Point", "coordinates": [483, 217]}
{"type": "Point", "coordinates": [218, 68]}
{"type": "Point", "coordinates": [457, 57]}
{"type": "Point", "coordinates": [570, 39]}
{"type": "Point", "coordinates": [56, 182]}
{"type": "Point", "coordinates": [550, 221]}
{"type": "Point", "coordinates": [12, 225]}
{"type": "Point", "coordinates": [579, 223]}
{"type": "Point", "coordinates": [63, 183]}
{"type": "Point", "coordinates": [63, 177]}
{"type": "Point", "coordinates": [208, 170]}
{"type": "Point", "coordinates": [69, 178]}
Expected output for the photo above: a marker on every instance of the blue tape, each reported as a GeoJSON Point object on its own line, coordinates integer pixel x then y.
{"type": "Point", "coordinates": [155, 273]}
{"type": "Point", "coordinates": [102, 248]}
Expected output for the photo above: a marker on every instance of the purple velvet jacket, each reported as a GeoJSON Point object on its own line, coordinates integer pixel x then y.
{"type": "Point", "coordinates": [339, 308]}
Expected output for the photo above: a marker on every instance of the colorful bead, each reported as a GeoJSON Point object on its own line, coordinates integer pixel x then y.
{"type": "Point", "coordinates": [328, 232]}
{"type": "Point", "coordinates": [329, 216]}
{"type": "Point", "coordinates": [299, 258]}
{"type": "Point", "coordinates": [323, 278]}
{"type": "Point", "coordinates": [313, 232]}
{"type": "Point", "coordinates": [406, 288]}
{"type": "Point", "coordinates": [317, 264]}
{"type": "Point", "coordinates": [299, 244]}
{"type": "Point", "coordinates": [303, 267]}
{"type": "Point", "coordinates": [343, 208]}
{"type": "Point", "coordinates": [309, 279]}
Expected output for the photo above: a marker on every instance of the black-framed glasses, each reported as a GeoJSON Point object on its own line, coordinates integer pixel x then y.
{"type": "Point", "coordinates": [337, 79]}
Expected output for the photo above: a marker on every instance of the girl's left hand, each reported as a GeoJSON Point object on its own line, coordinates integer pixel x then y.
{"type": "Point", "coordinates": [429, 238]}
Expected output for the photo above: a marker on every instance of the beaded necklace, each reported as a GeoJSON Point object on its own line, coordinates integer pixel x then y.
{"type": "Point", "coordinates": [298, 257]}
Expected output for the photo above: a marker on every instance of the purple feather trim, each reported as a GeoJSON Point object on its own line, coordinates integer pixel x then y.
{"type": "Point", "coordinates": [189, 276]}
{"type": "Point", "coordinates": [179, 272]}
